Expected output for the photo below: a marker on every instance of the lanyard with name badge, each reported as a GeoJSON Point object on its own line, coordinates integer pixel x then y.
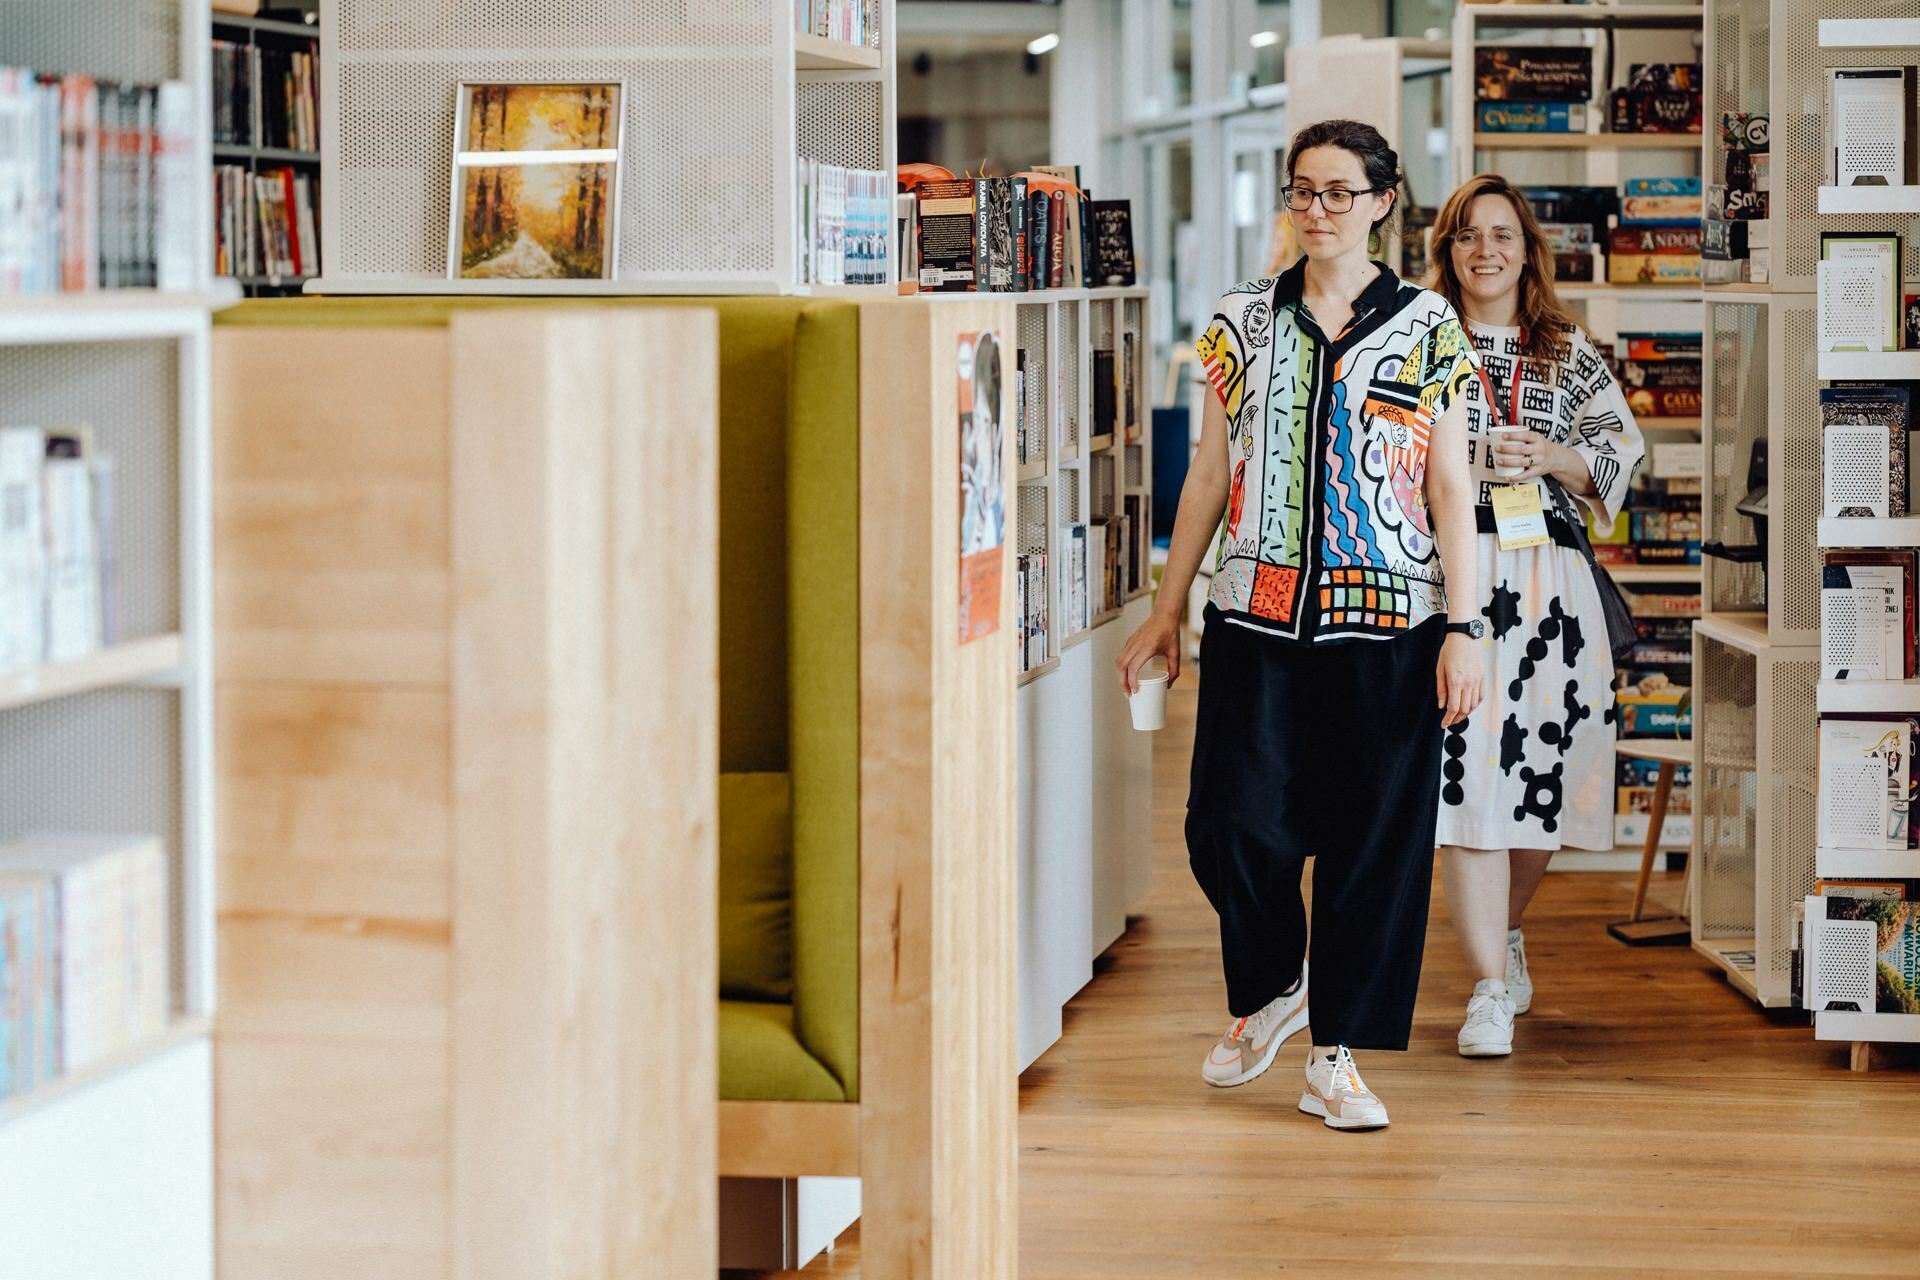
{"type": "Point", "coordinates": [1518, 519]}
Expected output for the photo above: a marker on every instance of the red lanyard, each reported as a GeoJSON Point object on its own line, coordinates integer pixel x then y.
{"type": "Point", "coordinates": [1493, 401]}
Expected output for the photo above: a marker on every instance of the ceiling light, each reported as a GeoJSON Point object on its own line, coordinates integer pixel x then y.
{"type": "Point", "coordinates": [1044, 44]}
{"type": "Point", "coordinates": [1264, 39]}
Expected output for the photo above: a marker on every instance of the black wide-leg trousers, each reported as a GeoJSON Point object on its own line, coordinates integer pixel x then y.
{"type": "Point", "coordinates": [1330, 752]}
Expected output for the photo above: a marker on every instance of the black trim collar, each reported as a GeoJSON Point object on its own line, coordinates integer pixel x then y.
{"type": "Point", "coordinates": [1379, 295]}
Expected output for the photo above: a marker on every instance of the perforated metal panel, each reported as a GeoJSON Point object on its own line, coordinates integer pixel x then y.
{"type": "Point", "coordinates": [1136, 466]}
{"type": "Point", "coordinates": [1037, 396]}
{"type": "Point", "coordinates": [1737, 408]}
{"type": "Point", "coordinates": [1070, 367]}
{"type": "Point", "coordinates": [387, 26]}
{"type": "Point", "coordinates": [1724, 790]}
{"type": "Point", "coordinates": [1100, 325]}
{"type": "Point", "coordinates": [1793, 480]}
{"type": "Point", "coordinates": [1855, 476]}
{"type": "Point", "coordinates": [128, 394]}
{"type": "Point", "coordinates": [1072, 510]}
{"type": "Point", "coordinates": [1737, 67]}
{"type": "Point", "coordinates": [1843, 969]}
{"type": "Point", "coordinates": [1030, 518]}
{"type": "Point", "coordinates": [1789, 840]}
{"type": "Point", "coordinates": [1100, 471]}
{"type": "Point", "coordinates": [136, 40]}
{"type": "Point", "coordinates": [840, 122]}
{"type": "Point", "coordinates": [1800, 139]}
{"type": "Point", "coordinates": [106, 761]}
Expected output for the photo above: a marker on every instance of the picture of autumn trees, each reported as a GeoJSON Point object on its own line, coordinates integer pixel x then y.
{"type": "Point", "coordinates": [528, 217]}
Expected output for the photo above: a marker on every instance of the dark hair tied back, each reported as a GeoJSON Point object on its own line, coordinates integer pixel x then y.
{"type": "Point", "coordinates": [1380, 162]}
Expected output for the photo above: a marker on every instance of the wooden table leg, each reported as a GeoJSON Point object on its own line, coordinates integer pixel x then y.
{"type": "Point", "coordinates": [1663, 784]}
{"type": "Point", "coordinates": [1861, 1057]}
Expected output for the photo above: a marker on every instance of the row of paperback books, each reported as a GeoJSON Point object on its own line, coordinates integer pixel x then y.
{"type": "Point", "coordinates": [1736, 246]}
{"type": "Point", "coordinates": [97, 184]}
{"type": "Point", "coordinates": [266, 97]}
{"type": "Point", "coordinates": [265, 223]}
{"type": "Point", "coordinates": [1030, 606]}
{"type": "Point", "coordinates": [1889, 907]}
{"type": "Point", "coordinates": [1647, 232]}
{"type": "Point", "coordinates": [1033, 230]}
{"type": "Point", "coordinates": [58, 565]}
{"type": "Point", "coordinates": [843, 224]}
{"type": "Point", "coordinates": [85, 969]}
{"type": "Point", "coordinates": [1550, 89]}
{"type": "Point", "coordinates": [1660, 372]}
{"type": "Point", "coordinates": [1105, 561]}
{"type": "Point", "coordinates": [853, 21]}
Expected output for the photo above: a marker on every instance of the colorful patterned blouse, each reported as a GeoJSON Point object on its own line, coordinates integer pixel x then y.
{"type": "Point", "coordinates": [1327, 445]}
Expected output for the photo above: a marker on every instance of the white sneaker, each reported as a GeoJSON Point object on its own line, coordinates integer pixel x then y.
{"type": "Point", "coordinates": [1250, 1044]}
{"type": "Point", "coordinates": [1488, 1031]}
{"type": "Point", "coordinates": [1519, 982]}
{"type": "Point", "coordinates": [1336, 1094]}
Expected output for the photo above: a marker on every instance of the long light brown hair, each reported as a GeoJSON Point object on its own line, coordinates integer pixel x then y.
{"type": "Point", "coordinates": [1545, 325]}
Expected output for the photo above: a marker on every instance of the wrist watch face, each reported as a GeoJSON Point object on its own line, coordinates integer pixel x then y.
{"type": "Point", "coordinates": [1477, 629]}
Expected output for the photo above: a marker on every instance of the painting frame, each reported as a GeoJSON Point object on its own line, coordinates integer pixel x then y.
{"type": "Point", "coordinates": [467, 157]}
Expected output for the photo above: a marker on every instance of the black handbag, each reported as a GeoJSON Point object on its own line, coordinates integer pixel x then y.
{"type": "Point", "coordinates": [1622, 635]}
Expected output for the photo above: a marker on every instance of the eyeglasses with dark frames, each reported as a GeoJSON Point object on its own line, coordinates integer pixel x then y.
{"type": "Point", "coordinates": [1333, 199]}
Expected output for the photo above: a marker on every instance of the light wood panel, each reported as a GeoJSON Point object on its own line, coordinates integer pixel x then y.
{"type": "Point", "coordinates": [937, 836]}
{"type": "Point", "coordinates": [586, 707]}
{"type": "Point", "coordinates": [789, 1139]}
{"type": "Point", "coordinates": [1651, 1121]}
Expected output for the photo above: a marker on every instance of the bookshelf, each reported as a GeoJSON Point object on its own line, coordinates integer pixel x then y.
{"type": "Point", "coordinates": [242, 160]}
{"type": "Point", "coordinates": [1084, 773]}
{"type": "Point", "coordinates": [721, 103]}
{"type": "Point", "coordinates": [107, 1169]}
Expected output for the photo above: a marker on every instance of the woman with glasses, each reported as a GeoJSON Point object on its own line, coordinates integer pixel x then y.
{"type": "Point", "coordinates": [1549, 431]}
{"type": "Point", "coordinates": [1334, 654]}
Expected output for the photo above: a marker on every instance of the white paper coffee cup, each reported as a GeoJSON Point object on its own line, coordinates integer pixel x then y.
{"type": "Point", "coordinates": [1507, 473]}
{"type": "Point", "coordinates": [1148, 701]}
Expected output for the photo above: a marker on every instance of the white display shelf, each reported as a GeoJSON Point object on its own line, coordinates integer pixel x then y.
{"type": "Point", "coordinates": [119, 664]}
{"type": "Point", "coordinates": [441, 286]}
{"type": "Point", "coordinates": [1866, 864]}
{"type": "Point", "coordinates": [1583, 291]}
{"type": "Point", "coordinates": [817, 53]}
{"type": "Point", "coordinates": [1744, 631]}
{"type": "Point", "coordinates": [183, 1030]}
{"type": "Point", "coordinates": [1747, 294]}
{"type": "Point", "coordinates": [106, 315]}
{"type": "Point", "coordinates": [1719, 950]}
{"type": "Point", "coordinates": [1587, 141]}
{"type": "Point", "coordinates": [1884, 366]}
{"type": "Point", "coordinates": [1034, 673]}
{"type": "Point", "coordinates": [1869, 33]}
{"type": "Point", "coordinates": [1869, 531]}
{"type": "Point", "coordinates": [1891, 696]}
{"type": "Point", "coordinates": [1627, 574]}
{"type": "Point", "coordinates": [1586, 15]}
{"type": "Point", "coordinates": [1884, 1028]}
{"type": "Point", "coordinates": [1870, 199]}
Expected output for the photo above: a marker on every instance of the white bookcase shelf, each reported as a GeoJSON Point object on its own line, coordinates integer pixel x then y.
{"type": "Point", "coordinates": [1886, 1028]}
{"type": "Point", "coordinates": [1870, 199]}
{"type": "Point", "coordinates": [1866, 864]}
{"type": "Point", "coordinates": [1869, 33]}
{"type": "Point", "coordinates": [181, 1032]}
{"type": "Point", "coordinates": [1872, 366]}
{"type": "Point", "coordinates": [816, 53]}
{"type": "Point", "coordinates": [1899, 696]}
{"type": "Point", "coordinates": [1869, 531]}
{"type": "Point", "coordinates": [1579, 291]}
{"type": "Point", "coordinates": [1631, 574]}
{"type": "Point", "coordinates": [118, 664]}
{"type": "Point", "coordinates": [1587, 141]}
{"type": "Point", "coordinates": [107, 315]}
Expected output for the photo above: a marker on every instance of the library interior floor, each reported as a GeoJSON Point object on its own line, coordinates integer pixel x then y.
{"type": "Point", "coordinates": [1650, 1121]}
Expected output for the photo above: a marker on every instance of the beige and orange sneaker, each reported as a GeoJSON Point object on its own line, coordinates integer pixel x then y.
{"type": "Point", "coordinates": [1250, 1044]}
{"type": "Point", "coordinates": [1338, 1096]}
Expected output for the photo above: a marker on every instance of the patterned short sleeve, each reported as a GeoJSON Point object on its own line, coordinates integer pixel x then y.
{"type": "Point", "coordinates": [1448, 362]}
{"type": "Point", "coordinates": [1228, 346]}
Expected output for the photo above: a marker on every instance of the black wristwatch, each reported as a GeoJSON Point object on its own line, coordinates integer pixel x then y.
{"type": "Point", "coordinates": [1476, 629]}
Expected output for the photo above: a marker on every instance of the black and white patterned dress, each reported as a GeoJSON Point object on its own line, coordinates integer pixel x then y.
{"type": "Point", "coordinates": [1533, 767]}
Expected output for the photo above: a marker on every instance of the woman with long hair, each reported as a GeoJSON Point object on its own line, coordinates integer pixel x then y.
{"type": "Point", "coordinates": [1334, 652]}
{"type": "Point", "coordinates": [1532, 771]}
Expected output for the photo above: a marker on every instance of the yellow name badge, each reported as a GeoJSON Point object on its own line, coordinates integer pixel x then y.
{"type": "Point", "coordinates": [1517, 516]}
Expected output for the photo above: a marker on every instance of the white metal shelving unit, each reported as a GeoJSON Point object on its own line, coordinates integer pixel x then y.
{"type": "Point", "coordinates": [1857, 32]}
{"type": "Point", "coordinates": [108, 1171]}
{"type": "Point", "coordinates": [721, 101]}
{"type": "Point", "coordinates": [1086, 776]}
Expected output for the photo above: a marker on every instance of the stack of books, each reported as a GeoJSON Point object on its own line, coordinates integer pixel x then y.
{"type": "Point", "coordinates": [97, 184]}
{"type": "Point", "coordinates": [1736, 247]}
{"type": "Point", "coordinates": [264, 223]}
{"type": "Point", "coordinates": [1660, 373]}
{"type": "Point", "coordinates": [1005, 235]}
{"type": "Point", "coordinates": [1532, 89]}
{"type": "Point", "coordinates": [1658, 239]}
{"type": "Point", "coordinates": [1030, 598]}
{"type": "Point", "coordinates": [849, 20]}
{"type": "Point", "coordinates": [843, 224]}
{"type": "Point", "coordinates": [58, 565]}
{"type": "Point", "coordinates": [1576, 222]}
{"type": "Point", "coordinates": [85, 965]}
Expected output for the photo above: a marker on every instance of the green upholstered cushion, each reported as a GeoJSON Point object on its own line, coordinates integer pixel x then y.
{"type": "Point", "coordinates": [756, 887]}
{"type": "Point", "coordinates": [823, 599]}
{"type": "Point", "coordinates": [760, 1059]}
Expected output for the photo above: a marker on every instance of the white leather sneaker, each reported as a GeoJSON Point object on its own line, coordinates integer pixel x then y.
{"type": "Point", "coordinates": [1488, 1030]}
{"type": "Point", "coordinates": [1250, 1044]}
{"type": "Point", "coordinates": [1337, 1095]}
{"type": "Point", "coordinates": [1519, 982]}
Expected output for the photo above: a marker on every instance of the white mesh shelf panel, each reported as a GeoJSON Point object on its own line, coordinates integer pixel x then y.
{"type": "Point", "coordinates": [1070, 366]}
{"type": "Point", "coordinates": [1790, 840]}
{"type": "Point", "coordinates": [1037, 388]}
{"type": "Point", "coordinates": [1794, 480]}
{"type": "Point", "coordinates": [105, 761]}
{"type": "Point", "coordinates": [1843, 969]}
{"type": "Point", "coordinates": [532, 26]}
{"type": "Point", "coordinates": [1104, 502]}
{"type": "Point", "coordinates": [1135, 473]}
{"type": "Point", "coordinates": [1072, 510]}
{"type": "Point", "coordinates": [1737, 403]}
{"type": "Point", "coordinates": [839, 122]}
{"type": "Point", "coordinates": [1030, 518]}
{"type": "Point", "coordinates": [128, 393]}
{"type": "Point", "coordinates": [1739, 65]}
{"type": "Point", "coordinates": [1724, 797]}
{"type": "Point", "coordinates": [1800, 141]}
{"type": "Point", "coordinates": [135, 40]}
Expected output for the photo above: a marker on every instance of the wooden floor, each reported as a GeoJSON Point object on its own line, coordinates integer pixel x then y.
{"type": "Point", "coordinates": [1652, 1120]}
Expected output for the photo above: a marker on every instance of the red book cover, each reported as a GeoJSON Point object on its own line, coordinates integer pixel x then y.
{"type": "Point", "coordinates": [1057, 240]}
{"type": "Point", "coordinates": [293, 220]}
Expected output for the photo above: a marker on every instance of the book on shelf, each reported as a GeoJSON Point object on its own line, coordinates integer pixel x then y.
{"type": "Point", "coordinates": [1875, 404]}
{"type": "Point", "coordinates": [1113, 261]}
{"type": "Point", "coordinates": [1532, 73]}
{"type": "Point", "coordinates": [1023, 451]}
{"type": "Point", "coordinates": [265, 222]}
{"type": "Point", "coordinates": [948, 223]}
{"type": "Point", "coordinates": [58, 537]}
{"type": "Point", "coordinates": [1031, 598]}
{"type": "Point", "coordinates": [1896, 945]}
{"type": "Point", "coordinates": [29, 991]}
{"type": "Point", "coordinates": [266, 96]}
{"type": "Point", "coordinates": [1867, 622]}
{"type": "Point", "coordinates": [1075, 563]}
{"type": "Point", "coordinates": [96, 184]}
{"type": "Point", "coordinates": [1066, 235]}
{"type": "Point", "coordinates": [842, 237]}
{"type": "Point", "coordinates": [1106, 393]}
{"type": "Point", "coordinates": [1865, 781]}
{"type": "Point", "coordinates": [906, 237]}
{"type": "Point", "coordinates": [1530, 117]}
{"type": "Point", "coordinates": [112, 970]}
{"type": "Point", "coordinates": [849, 21]}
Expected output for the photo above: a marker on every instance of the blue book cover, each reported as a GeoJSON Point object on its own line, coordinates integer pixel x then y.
{"type": "Point", "coordinates": [1530, 117]}
{"type": "Point", "coordinates": [26, 1033]}
{"type": "Point", "coordinates": [1662, 186]}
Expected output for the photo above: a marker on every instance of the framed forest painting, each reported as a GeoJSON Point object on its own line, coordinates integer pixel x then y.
{"type": "Point", "coordinates": [536, 181]}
